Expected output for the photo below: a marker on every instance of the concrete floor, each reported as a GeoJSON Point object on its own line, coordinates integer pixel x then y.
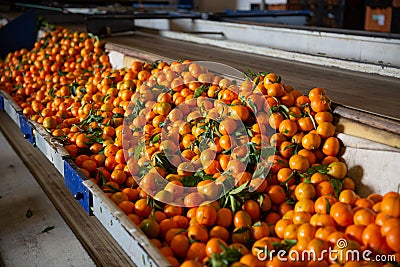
{"type": "Point", "coordinates": [25, 215]}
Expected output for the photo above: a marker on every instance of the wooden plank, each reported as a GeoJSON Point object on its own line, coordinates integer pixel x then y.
{"type": "Point", "coordinates": [355, 128]}
{"type": "Point", "coordinates": [103, 249]}
{"type": "Point", "coordinates": [351, 121]}
{"type": "Point", "coordinates": [373, 93]}
{"type": "Point", "coordinates": [373, 120]}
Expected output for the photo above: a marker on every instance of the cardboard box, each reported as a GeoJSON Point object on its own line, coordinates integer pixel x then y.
{"type": "Point", "coordinates": [295, 7]}
{"type": "Point", "coordinates": [277, 7]}
{"type": "Point", "coordinates": [396, 3]}
{"type": "Point", "coordinates": [378, 19]}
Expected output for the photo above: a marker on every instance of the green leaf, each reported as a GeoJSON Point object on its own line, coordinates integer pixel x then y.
{"type": "Point", "coordinates": [191, 181]}
{"type": "Point", "coordinates": [261, 200]}
{"type": "Point", "coordinates": [312, 120]}
{"type": "Point", "coordinates": [191, 240]}
{"type": "Point", "coordinates": [233, 203]}
{"type": "Point", "coordinates": [328, 206]}
{"type": "Point", "coordinates": [249, 132]}
{"type": "Point", "coordinates": [289, 178]}
{"type": "Point", "coordinates": [284, 109]}
{"type": "Point", "coordinates": [162, 161]}
{"type": "Point", "coordinates": [155, 138]}
{"type": "Point", "coordinates": [117, 115]}
{"type": "Point", "coordinates": [138, 149]}
{"type": "Point", "coordinates": [257, 224]}
{"type": "Point", "coordinates": [83, 90]}
{"type": "Point", "coordinates": [282, 162]}
{"type": "Point", "coordinates": [337, 186]}
{"type": "Point", "coordinates": [102, 179]}
{"type": "Point", "coordinates": [323, 168]}
{"type": "Point", "coordinates": [48, 228]}
{"type": "Point", "coordinates": [200, 90]}
{"type": "Point", "coordinates": [239, 189]}
{"type": "Point", "coordinates": [290, 146]}
{"type": "Point", "coordinates": [252, 105]}
{"type": "Point", "coordinates": [241, 230]}
{"type": "Point", "coordinates": [154, 64]}
{"type": "Point", "coordinates": [286, 244]}
{"type": "Point", "coordinates": [112, 189]}
{"type": "Point", "coordinates": [250, 74]}
{"type": "Point", "coordinates": [62, 73]}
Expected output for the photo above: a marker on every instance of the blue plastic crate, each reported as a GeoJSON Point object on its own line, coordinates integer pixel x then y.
{"type": "Point", "coordinates": [1, 103]}
{"type": "Point", "coordinates": [73, 181]}
{"type": "Point", "coordinates": [26, 129]}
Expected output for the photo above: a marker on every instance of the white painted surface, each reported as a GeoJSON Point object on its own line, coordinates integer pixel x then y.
{"type": "Point", "coordinates": [124, 231]}
{"type": "Point", "coordinates": [360, 53]}
{"type": "Point", "coordinates": [11, 108]}
{"type": "Point", "coordinates": [116, 59]}
{"type": "Point", "coordinates": [374, 167]}
{"type": "Point", "coordinates": [300, 57]}
{"type": "Point", "coordinates": [22, 242]}
{"type": "Point", "coordinates": [221, 5]}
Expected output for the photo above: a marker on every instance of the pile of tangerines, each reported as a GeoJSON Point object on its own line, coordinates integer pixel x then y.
{"type": "Point", "coordinates": [215, 171]}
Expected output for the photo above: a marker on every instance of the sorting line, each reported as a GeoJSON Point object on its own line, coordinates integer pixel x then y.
{"type": "Point", "coordinates": [99, 243]}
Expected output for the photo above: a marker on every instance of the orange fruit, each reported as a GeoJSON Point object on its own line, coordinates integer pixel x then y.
{"type": "Point", "coordinates": [276, 193]}
{"type": "Point", "coordinates": [280, 227]}
{"type": "Point", "coordinates": [220, 232]}
{"type": "Point", "coordinates": [288, 128]}
{"type": "Point", "coordinates": [325, 129]}
{"type": "Point", "coordinates": [261, 246]}
{"type": "Point", "coordinates": [180, 245]}
{"type": "Point", "coordinates": [213, 246]}
{"type": "Point", "coordinates": [118, 197]}
{"type": "Point", "coordinates": [337, 170]}
{"type": "Point", "coordinates": [323, 116]}
{"type": "Point", "coordinates": [142, 208]}
{"type": "Point", "coordinates": [354, 232]}
{"type": "Point", "coordinates": [242, 219]}
{"type": "Point", "coordinates": [311, 141]}
{"type": "Point", "coordinates": [331, 146]}
{"type": "Point", "coordinates": [305, 191]}
{"type": "Point", "coordinates": [348, 196]}
{"type": "Point", "coordinates": [196, 251]}
{"type": "Point", "coordinates": [364, 216]}
{"type": "Point", "coordinates": [150, 227]}
{"type": "Point", "coordinates": [252, 208]}
{"type": "Point", "coordinates": [342, 213]}
{"type": "Point", "coordinates": [224, 217]}
{"type": "Point", "coordinates": [191, 263]}
{"type": "Point", "coordinates": [198, 233]}
{"type": "Point", "coordinates": [299, 163]}
{"type": "Point", "coordinates": [390, 205]}
{"type": "Point", "coordinates": [393, 240]}
{"type": "Point", "coordinates": [206, 215]}
{"type": "Point", "coordinates": [259, 230]}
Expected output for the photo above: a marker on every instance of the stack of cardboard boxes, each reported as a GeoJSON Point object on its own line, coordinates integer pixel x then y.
{"type": "Point", "coordinates": [327, 13]}
{"type": "Point", "coordinates": [379, 15]}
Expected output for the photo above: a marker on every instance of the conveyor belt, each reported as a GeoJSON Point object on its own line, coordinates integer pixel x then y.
{"type": "Point", "coordinates": [369, 92]}
{"type": "Point", "coordinates": [99, 243]}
